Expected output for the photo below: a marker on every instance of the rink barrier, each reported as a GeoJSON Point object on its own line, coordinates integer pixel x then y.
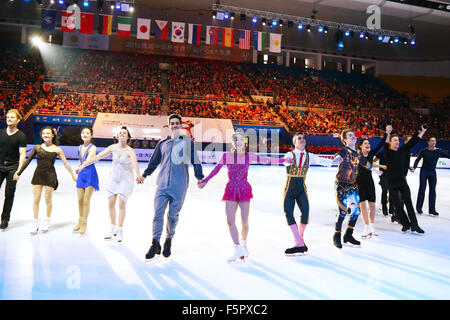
{"type": "Point", "coordinates": [209, 157]}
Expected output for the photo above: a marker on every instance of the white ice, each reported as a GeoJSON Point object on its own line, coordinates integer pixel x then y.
{"type": "Point", "coordinates": [64, 265]}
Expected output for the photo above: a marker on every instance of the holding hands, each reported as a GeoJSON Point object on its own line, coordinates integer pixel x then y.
{"type": "Point", "coordinates": [201, 184]}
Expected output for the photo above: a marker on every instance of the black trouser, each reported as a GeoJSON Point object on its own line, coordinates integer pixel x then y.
{"type": "Point", "coordinates": [425, 175]}
{"type": "Point", "coordinates": [399, 193]}
{"type": "Point", "coordinates": [7, 172]}
{"type": "Point", "coordinates": [295, 192]}
{"type": "Point", "coordinates": [384, 199]}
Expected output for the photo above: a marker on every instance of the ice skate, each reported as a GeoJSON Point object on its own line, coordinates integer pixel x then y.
{"type": "Point", "coordinates": [349, 240]}
{"type": "Point", "coordinates": [34, 227]}
{"type": "Point", "coordinates": [167, 246]}
{"type": "Point", "coordinates": [337, 240]}
{"type": "Point", "coordinates": [111, 233]}
{"type": "Point", "coordinates": [367, 232]}
{"type": "Point", "coordinates": [119, 234]}
{"type": "Point", "coordinates": [244, 246]}
{"type": "Point", "coordinates": [417, 230]}
{"type": "Point", "coordinates": [155, 249]}
{"type": "Point", "coordinates": [45, 225]}
{"type": "Point", "coordinates": [239, 254]}
{"type": "Point", "coordinates": [294, 251]}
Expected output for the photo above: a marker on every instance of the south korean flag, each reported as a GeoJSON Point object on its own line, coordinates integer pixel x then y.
{"type": "Point", "coordinates": [178, 31]}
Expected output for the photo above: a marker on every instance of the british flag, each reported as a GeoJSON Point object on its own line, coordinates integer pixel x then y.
{"type": "Point", "coordinates": [244, 39]}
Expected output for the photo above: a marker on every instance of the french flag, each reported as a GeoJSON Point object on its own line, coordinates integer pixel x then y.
{"type": "Point", "coordinates": [195, 31]}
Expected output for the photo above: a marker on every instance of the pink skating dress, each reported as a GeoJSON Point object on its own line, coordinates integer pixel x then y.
{"type": "Point", "coordinates": [238, 188]}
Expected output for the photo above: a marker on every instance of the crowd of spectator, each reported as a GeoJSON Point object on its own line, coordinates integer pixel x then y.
{"type": "Point", "coordinates": [89, 105]}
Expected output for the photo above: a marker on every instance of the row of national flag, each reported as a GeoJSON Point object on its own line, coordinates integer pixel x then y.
{"type": "Point", "coordinates": [86, 25]}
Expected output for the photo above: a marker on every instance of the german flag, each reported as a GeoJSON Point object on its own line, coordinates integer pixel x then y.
{"type": "Point", "coordinates": [105, 24]}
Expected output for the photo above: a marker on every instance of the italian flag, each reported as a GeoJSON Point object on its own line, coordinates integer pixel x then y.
{"type": "Point", "coordinates": [124, 27]}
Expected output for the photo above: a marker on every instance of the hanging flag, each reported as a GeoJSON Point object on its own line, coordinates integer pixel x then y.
{"type": "Point", "coordinates": [68, 21]}
{"type": "Point", "coordinates": [124, 27]}
{"type": "Point", "coordinates": [48, 19]}
{"type": "Point", "coordinates": [244, 39]}
{"type": "Point", "coordinates": [195, 31]}
{"type": "Point", "coordinates": [227, 37]}
{"type": "Point", "coordinates": [275, 42]}
{"type": "Point", "coordinates": [178, 31]}
{"type": "Point", "coordinates": [143, 29]}
{"type": "Point", "coordinates": [104, 24]}
{"type": "Point", "coordinates": [87, 23]}
{"type": "Point", "coordinates": [260, 41]}
{"type": "Point", "coordinates": [212, 35]}
{"type": "Point", "coordinates": [161, 30]}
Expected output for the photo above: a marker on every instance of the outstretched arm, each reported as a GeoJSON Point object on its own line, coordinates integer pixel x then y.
{"type": "Point", "coordinates": [27, 162]}
{"type": "Point", "coordinates": [253, 157]}
{"type": "Point", "coordinates": [216, 170]}
{"type": "Point", "coordinates": [154, 161]}
{"type": "Point", "coordinates": [62, 156]}
{"type": "Point", "coordinates": [96, 158]}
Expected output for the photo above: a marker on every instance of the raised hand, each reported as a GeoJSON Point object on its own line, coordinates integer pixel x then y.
{"type": "Point", "coordinates": [388, 129]}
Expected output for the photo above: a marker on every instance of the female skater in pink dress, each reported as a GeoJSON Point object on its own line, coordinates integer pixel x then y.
{"type": "Point", "coordinates": [238, 191]}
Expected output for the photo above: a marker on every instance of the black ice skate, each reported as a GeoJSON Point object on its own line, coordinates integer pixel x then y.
{"type": "Point", "coordinates": [417, 230]}
{"type": "Point", "coordinates": [349, 240]}
{"type": "Point", "coordinates": [167, 244]}
{"type": "Point", "coordinates": [294, 251]}
{"type": "Point", "coordinates": [154, 250]}
{"type": "Point", "coordinates": [337, 240]}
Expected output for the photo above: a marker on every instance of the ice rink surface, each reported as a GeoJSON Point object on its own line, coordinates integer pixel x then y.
{"type": "Point", "coordinates": [64, 265]}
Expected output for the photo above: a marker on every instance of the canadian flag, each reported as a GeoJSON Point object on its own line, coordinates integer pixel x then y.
{"type": "Point", "coordinates": [68, 21]}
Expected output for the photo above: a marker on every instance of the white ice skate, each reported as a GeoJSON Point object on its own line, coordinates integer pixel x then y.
{"type": "Point", "coordinates": [34, 227]}
{"type": "Point", "coordinates": [111, 233]}
{"type": "Point", "coordinates": [372, 231]}
{"type": "Point", "coordinates": [244, 246]}
{"type": "Point", "coordinates": [45, 224]}
{"type": "Point", "coordinates": [239, 254]}
{"type": "Point", "coordinates": [367, 232]}
{"type": "Point", "coordinates": [119, 235]}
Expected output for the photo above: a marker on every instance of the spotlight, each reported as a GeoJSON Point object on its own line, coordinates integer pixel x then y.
{"type": "Point", "coordinates": [226, 15]}
{"type": "Point", "coordinates": [131, 8]}
{"type": "Point", "coordinates": [325, 29]}
{"type": "Point", "coordinates": [308, 27]}
{"type": "Point", "coordinates": [300, 26]}
{"type": "Point", "coordinates": [36, 41]}
{"type": "Point", "coordinates": [347, 33]}
{"type": "Point", "coordinates": [263, 21]}
{"type": "Point", "coordinates": [232, 16]}
{"type": "Point", "coordinates": [118, 6]}
{"type": "Point", "coordinates": [396, 40]}
{"type": "Point", "coordinates": [214, 13]}
{"type": "Point", "coordinates": [340, 44]}
{"type": "Point", "coordinates": [362, 35]}
{"type": "Point", "coordinates": [52, 1]}
{"type": "Point", "coordinates": [86, 3]}
{"type": "Point", "coordinates": [405, 41]}
{"type": "Point", "coordinates": [280, 22]}
{"type": "Point", "coordinates": [112, 5]}
{"type": "Point", "coordinates": [274, 23]}
{"type": "Point", "coordinates": [243, 17]}
{"type": "Point", "coordinates": [320, 29]}
{"type": "Point", "coordinates": [255, 20]}
{"type": "Point", "coordinates": [380, 38]}
{"type": "Point", "coordinates": [413, 42]}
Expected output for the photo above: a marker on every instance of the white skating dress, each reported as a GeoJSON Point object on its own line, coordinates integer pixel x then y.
{"type": "Point", "coordinates": [121, 178]}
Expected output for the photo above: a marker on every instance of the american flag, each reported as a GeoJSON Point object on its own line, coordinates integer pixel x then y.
{"type": "Point", "coordinates": [244, 39]}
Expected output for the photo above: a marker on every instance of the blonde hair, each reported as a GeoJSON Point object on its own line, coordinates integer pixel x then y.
{"type": "Point", "coordinates": [16, 112]}
{"type": "Point", "coordinates": [296, 136]}
{"type": "Point", "coordinates": [234, 138]}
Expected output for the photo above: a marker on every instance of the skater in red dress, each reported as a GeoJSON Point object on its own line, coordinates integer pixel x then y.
{"type": "Point", "coordinates": [238, 191]}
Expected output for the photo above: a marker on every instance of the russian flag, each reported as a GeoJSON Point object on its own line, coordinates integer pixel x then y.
{"type": "Point", "coordinates": [195, 31]}
{"type": "Point", "coordinates": [161, 30]}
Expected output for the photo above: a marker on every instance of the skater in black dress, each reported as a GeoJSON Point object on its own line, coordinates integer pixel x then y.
{"type": "Point", "coordinates": [44, 176]}
{"type": "Point", "coordinates": [366, 186]}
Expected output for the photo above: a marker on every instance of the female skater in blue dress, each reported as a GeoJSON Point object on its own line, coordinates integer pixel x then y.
{"type": "Point", "coordinates": [87, 180]}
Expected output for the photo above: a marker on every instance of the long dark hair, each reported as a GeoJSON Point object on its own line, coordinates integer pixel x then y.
{"type": "Point", "coordinates": [53, 130]}
{"type": "Point", "coordinates": [359, 144]}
